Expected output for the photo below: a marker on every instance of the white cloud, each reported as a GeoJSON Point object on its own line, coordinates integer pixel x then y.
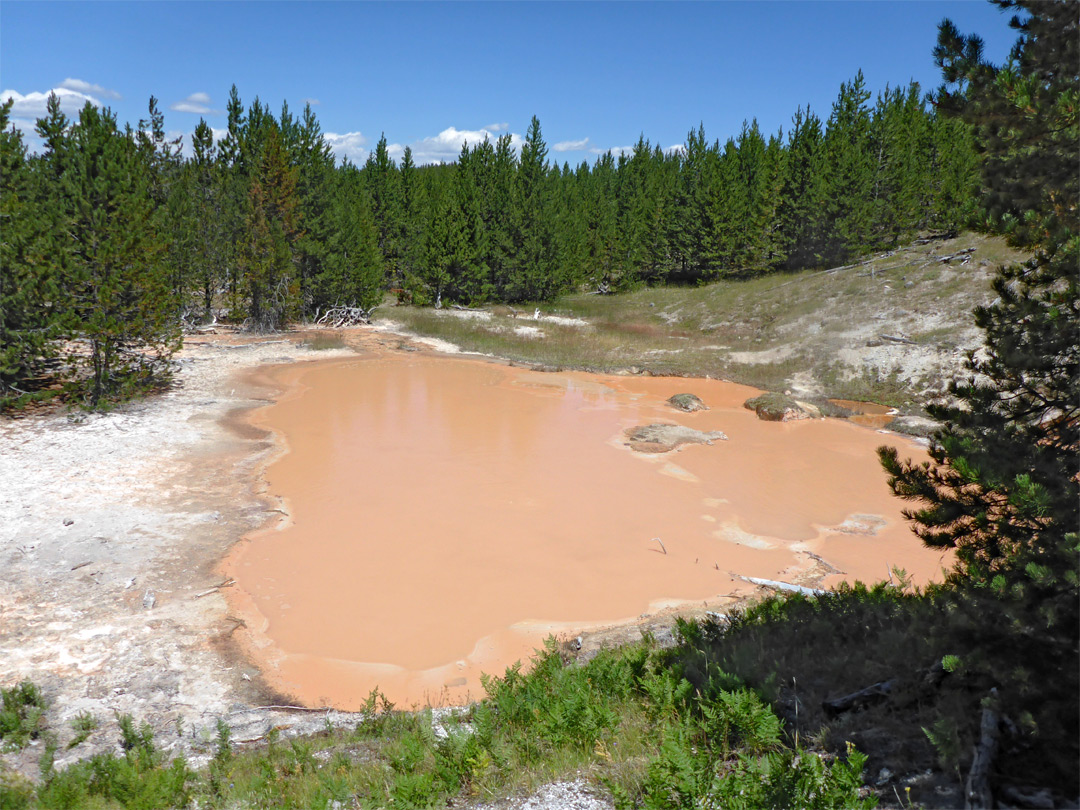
{"type": "Point", "coordinates": [314, 102]}
{"type": "Point", "coordinates": [570, 146]}
{"type": "Point", "coordinates": [349, 145]}
{"type": "Point", "coordinates": [32, 105]}
{"type": "Point", "coordinates": [679, 147]}
{"type": "Point", "coordinates": [496, 127]}
{"type": "Point", "coordinates": [198, 103]}
{"type": "Point", "coordinates": [446, 146]}
{"type": "Point", "coordinates": [615, 150]}
{"type": "Point", "coordinates": [79, 86]}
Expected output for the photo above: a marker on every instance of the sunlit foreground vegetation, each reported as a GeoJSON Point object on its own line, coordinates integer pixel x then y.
{"type": "Point", "coordinates": [739, 714]}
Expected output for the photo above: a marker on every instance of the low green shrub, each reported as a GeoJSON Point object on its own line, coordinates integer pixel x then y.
{"type": "Point", "coordinates": [22, 716]}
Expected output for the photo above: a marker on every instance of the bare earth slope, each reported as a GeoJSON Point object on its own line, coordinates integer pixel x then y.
{"type": "Point", "coordinates": [892, 329]}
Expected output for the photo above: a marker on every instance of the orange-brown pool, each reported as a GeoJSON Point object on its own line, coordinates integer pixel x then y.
{"type": "Point", "coordinates": [447, 514]}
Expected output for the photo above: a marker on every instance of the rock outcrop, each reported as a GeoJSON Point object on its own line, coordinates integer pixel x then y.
{"type": "Point", "coordinates": [779, 408]}
{"type": "Point", "coordinates": [688, 403]}
{"type": "Point", "coordinates": [660, 438]}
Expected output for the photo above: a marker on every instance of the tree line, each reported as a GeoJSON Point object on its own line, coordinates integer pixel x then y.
{"type": "Point", "coordinates": [113, 239]}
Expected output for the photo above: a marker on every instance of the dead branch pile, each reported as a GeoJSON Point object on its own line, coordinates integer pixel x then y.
{"type": "Point", "coordinates": [339, 316]}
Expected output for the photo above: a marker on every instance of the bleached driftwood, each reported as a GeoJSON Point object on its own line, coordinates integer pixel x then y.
{"type": "Point", "coordinates": [215, 589]}
{"type": "Point", "coordinates": [782, 586]}
{"type": "Point", "coordinates": [338, 316]}
{"type": "Point", "coordinates": [897, 339]}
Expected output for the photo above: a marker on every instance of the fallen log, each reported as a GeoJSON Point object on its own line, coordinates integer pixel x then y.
{"type": "Point", "coordinates": [957, 255]}
{"type": "Point", "coordinates": [897, 339]}
{"type": "Point", "coordinates": [781, 586]}
{"type": "Point", "coordinates": [215, 589]}
{"type": "Point", "coordinates": [856, 701]}
{"type": "Point", "coordinates": [249, 345]}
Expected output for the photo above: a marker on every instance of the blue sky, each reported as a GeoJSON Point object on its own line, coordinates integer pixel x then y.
{"type": "Point", "coordinates": [430, 74]}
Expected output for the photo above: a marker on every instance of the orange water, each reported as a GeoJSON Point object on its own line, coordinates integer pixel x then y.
{"type": "Point", "coordinates": [446, 515]}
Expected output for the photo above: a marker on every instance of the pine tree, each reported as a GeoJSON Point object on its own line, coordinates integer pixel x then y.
{"type": "Point", "coordinates": [273, 228]}
{"type": "Point", "coordinates": [351, 273]}
{"type": "Point", "coordinates": [382, 179]}
{"type": "Point", "coordinates": [902, 176]}
{"type": "Point", "coordinates": [29, 297]}
{"type": "Point", "coordinates": [848, 173]}
{"type": "Point", "coordinates": [413, 203]}
{"type": "Point", "coordinates": [1002, 487]}
{"type": "Point", "coordinates": [801, 210]}
{"type": "Point", "coordinates": [688, 220]}
{"type": "Point", "coordinates": [119, 293]}
{"type": "Point", "coordinates": [533, 262]}
{"type": "Point", "coordinates": [206, 230]}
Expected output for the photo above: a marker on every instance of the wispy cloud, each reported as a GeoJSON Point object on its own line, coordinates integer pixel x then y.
{"type": "Point", "coordinates": [198, 103]}
{"type": "Point", "coordinates": [32, 105]}
{"type": "Point", "coordinates": [79, 86]}
{"type": "Point", "coordinates": [615, 150]}
{"type": "Point", "coordinates": [314, 102]}
{"type": "Point", "coordinates": [446, 146]}
{"type": "Point", "coordinates": [571, 146]}
{"type": "Point", "coordinates": [351, 145]}
{"type": "Point", "coordinates": [496, 127]}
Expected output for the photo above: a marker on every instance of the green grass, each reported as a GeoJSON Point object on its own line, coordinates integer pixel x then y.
{"type": "Point", "coordinates": [732, 716]}
{"type": "Point", "coordinates": [725, 329]}
{"type": "Point", "coordinates": [625, 721]}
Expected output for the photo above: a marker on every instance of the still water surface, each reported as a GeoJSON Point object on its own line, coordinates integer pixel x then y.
{"type": "Point", "coordinates": [447, 514]}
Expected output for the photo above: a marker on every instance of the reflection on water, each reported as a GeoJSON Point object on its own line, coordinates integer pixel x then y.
{"type": "Point", "coordinates": [448, 514]}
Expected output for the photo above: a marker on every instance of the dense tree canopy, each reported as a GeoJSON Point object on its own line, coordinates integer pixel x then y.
{"type": "Point", "coordinates": [108, 227]}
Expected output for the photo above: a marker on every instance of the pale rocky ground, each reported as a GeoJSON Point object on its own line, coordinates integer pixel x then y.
{"type": "Point", "coordinates": [110, 527]}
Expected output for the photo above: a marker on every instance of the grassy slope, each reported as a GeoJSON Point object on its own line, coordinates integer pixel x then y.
{"type": "Point", "coordinates": [807, 332]}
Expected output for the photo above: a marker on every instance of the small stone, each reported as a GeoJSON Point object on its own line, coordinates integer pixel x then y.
{"type": "Point", "coordinates": [68, 521]}
{"type": "Point", "coordinates": [149, 599]}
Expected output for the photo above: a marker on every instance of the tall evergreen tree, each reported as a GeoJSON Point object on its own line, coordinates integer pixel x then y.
{"type": "Point", "coordinates": [1002, 487]}
{"type": "Point", "coordinates": [382, 179]}
{"type": "Point", "coordinates": [532, 275]}
{"type": "Point", "coordinates": [351, 272]}
{"type": "Point", "coordinates": [29, 294]}
{"type": "Point", "coordinates": [120, 296]}
{"type": "Point", "coordinates": [849, 173]}
{"type": "Point", "coordinates": [801, 211]}
{"type": "Point", "coordinates": [273, 228]}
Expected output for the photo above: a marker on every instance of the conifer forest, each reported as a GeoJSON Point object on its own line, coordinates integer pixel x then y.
{"type": "Point", "coordinates": [115, 236]}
